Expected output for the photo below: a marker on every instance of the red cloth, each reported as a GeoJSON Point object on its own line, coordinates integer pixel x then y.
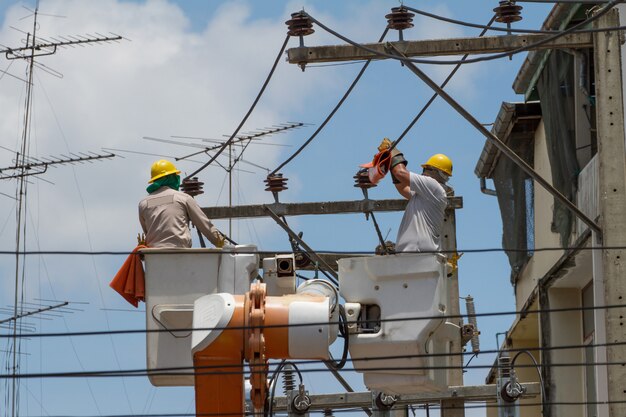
{"type": "Point", "coordinates": [130, 281]}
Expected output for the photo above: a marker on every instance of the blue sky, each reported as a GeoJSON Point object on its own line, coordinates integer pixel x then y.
{"type": "Point", "coordinates": [192, 68]}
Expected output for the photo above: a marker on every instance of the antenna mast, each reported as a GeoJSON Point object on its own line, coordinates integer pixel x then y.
{"type": "Point", "coordinates": [23, 165]}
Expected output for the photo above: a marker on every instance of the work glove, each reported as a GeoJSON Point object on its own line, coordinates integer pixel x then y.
{"type": "Point", "coordinates": [378, 168]}
{"type": "Point", "coordinates": [384, 145]}
{"type": "Point", "coordinates": [220, 240]}
{"type": "Point", "coordinates": [397, 157]}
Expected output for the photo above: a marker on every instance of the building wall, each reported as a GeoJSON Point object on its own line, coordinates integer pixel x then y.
{"type": "Point", "coordinates": [540, 262]}
{"type": "Point", "coordinates": [566, 329]}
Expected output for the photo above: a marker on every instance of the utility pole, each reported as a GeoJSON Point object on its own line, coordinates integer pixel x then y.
{"type": "Point", "coordinates": [611, 231]}
{"type": "Point", "coordinates": [453, 407]}
{"type": "Point", "coordinates": [612, 191]}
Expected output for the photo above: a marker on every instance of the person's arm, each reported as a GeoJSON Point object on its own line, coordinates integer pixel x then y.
{"type": "Point", "coordinates": [403, 176]}
{"type": "Point", "coordinates": [202, 222]}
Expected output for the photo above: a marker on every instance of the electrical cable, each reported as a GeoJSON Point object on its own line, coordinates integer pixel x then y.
{"type": "Point", "coordinates": [515, 51]}
{"type": "Point", "coordinates": [397, 319]}
{"type": "Point", "coordinates": [166, 251]}
{"type": "Point", "coordinates": [435, 95]}
{"type": "Point", "coordinates": [331, 114]}
{"type": "Point", "coordinates": [96, 274]}
{"type": "Point", "coordinates": [245, 118]}
{"type": "Point", "coordinates": [170, 370]}
{"type": "Point", "coordinates": [537, 367]}
{"type": "Point", "coordinates": [563, 1]}
{"type": "Point", "coordinates": [504, 29]}
{"type": "Point", "coordinates": [343, 332]}
{"type": "Point", "coordinates": [200, 371]}
{"type": "Point", "coordinates": [274, 380]}
{"type": "Point", "coordinates": [179, 370]}
{"type": "Point", "coordinates": [434, 405]}
{"type": "Point", "coordinates": [269, 400]}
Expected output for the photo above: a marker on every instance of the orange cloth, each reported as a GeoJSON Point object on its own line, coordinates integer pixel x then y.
{"type": "Point", "coordinates": [130, 281]}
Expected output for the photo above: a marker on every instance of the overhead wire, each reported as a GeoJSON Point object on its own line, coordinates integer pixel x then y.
{"type": "Point", "coordinates": [173, 370]}
{"type": "Point", "coordinates": [331, 114]}
{"type": "Point", "coordinates": [350, 409]}
{"type": "Point", "coordinates": [90, 244]}
{"type": "Point", "coordinates": [325, 251]}
{"type": "Point", "coordinates": [506, 54]}
{"type": "Point", "coordinates": [504, 29]}
{"type": "Point", "coordinates": [523, 313]}
{"type": "Point", "coordinates": [435, 95]}
{"type": "Point", "coordinates": [245, 118]}
{"type": "Point", "coordinates": [324, 369]}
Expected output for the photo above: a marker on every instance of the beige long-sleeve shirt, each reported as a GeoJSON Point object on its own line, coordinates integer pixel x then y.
{"type": "Point", "coordinates": [164, 216]}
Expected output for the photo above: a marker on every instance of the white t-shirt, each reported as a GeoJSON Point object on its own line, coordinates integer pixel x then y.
{"type": "Point", "coordinates": [420, 229]}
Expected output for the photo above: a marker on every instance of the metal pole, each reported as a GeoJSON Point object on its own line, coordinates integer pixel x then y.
{"type": "Point", "coordinates": [230, 187]}
{"type": "Point", "coordinates": [496, 141]}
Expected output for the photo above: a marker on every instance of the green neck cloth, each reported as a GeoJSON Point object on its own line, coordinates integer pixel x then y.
{"type": "Point", "coordinates": [172, 181]}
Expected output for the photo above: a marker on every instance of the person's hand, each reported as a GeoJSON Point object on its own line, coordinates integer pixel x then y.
{"type": "Point", "coordinates": [220, 240]}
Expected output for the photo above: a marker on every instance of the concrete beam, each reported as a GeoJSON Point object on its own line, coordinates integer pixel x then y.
{"type": "Point", "coordinates": [437, 47]}
{"type": "Point", "coordinates": [326, 207]}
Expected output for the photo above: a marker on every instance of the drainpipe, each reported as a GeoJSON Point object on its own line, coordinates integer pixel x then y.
{"type": "Point", "coordinates": [484, 189]}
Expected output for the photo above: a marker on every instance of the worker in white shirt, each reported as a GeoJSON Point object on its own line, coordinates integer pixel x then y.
{"type": "Point", "coordinates": [165, 213]}
{"type": "Point", "coordinates": [420, 229]}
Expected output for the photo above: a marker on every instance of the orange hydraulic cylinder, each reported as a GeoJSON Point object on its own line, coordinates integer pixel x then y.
{"type": "Point", "coordinates": [219, 382]}
{"type": "Point", "coordinates": [277, 323]}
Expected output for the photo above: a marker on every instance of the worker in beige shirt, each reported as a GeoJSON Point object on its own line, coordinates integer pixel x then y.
{"type": "Point", "coordinates": [165, 214]}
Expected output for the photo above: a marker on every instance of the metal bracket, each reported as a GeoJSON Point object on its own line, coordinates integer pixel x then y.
{"type": "Point", "coordinates": [306, 247]}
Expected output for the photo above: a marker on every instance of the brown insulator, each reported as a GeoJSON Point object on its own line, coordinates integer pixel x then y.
{"type": "Point", "coordinates": [400, 18]}
{"type": "Point", "coordinates": [275, 183]}
{"type": "Point", "coordinates": [300, 24]}
{"type": "Point", "coordinates": [192, 186]}
{"type": "Point", "coordinates": [508, 12]}
{"type": "Point", "coordinates": [362, 180]}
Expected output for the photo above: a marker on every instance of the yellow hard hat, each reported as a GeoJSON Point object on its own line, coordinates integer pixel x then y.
{"type": "Point", "coordinates": [162, 168]}
{"type": "Point", "coordinates": [440, 162]}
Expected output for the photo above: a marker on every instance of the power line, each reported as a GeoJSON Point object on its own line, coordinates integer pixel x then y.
{"type": "Point", "coordinates": [331, 114]}
{"type": "Point", "coordinates": [328, 323]}
{"type": "Point", "coordinates": [150, 372]}
{"type": "Point", "coordinates": [245, 118]}
{"type": "Point", "coordinates": [435, 95]}
{"type": "Point", "coordinates": [504, 29]}
{"type": "Point", "coordinates": [528, 47]}
{"type": "Point", "coordinates": [172, 370]}
{"type": "Point", "coordinates": [434, 405]}
{"type": "Point", "coordinates": [335, 252]}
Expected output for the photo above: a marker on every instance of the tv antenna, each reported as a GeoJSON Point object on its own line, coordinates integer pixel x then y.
{"type": "Point", "coordinates": [194, 187]}
{"type": "Point", "coordinates": [24, 165]}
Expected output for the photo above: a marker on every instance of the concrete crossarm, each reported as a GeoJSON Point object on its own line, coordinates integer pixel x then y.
{"type": "Point", "coordinates": [364, 399]}
{"type": "Point", "coordinates": [437, 47]}
{"type": "Point", "coordinates": [327, 207]}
